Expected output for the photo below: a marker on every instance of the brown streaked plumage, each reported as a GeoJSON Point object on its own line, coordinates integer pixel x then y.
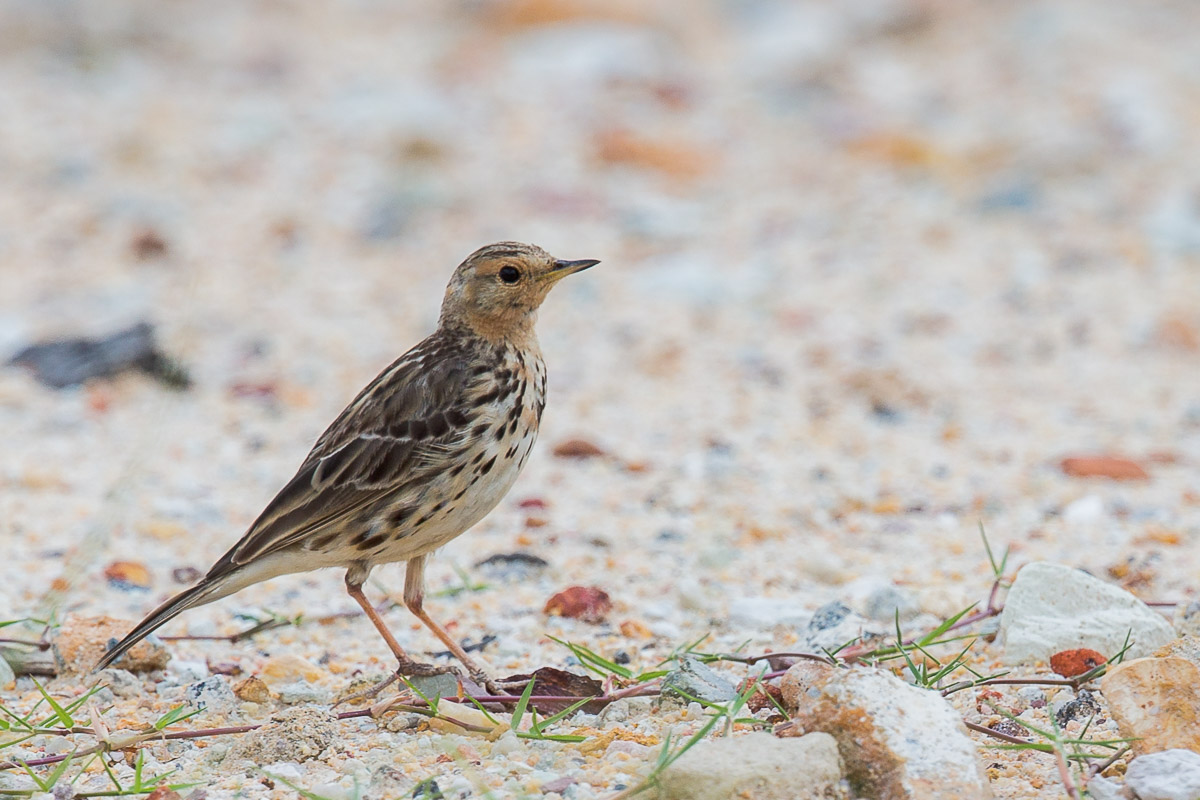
{"type": "Point", "coordinates": [423, 453]}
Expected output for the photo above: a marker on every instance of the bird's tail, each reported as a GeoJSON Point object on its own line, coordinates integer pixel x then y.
{"type": "Point", "coordinates": [203, 592]}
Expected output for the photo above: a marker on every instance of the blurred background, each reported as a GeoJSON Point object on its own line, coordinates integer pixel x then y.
{"type": "Point", "coordinates": [872, 268]}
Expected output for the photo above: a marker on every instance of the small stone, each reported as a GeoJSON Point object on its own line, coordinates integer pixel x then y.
{"type": "Point", "coordinates": [1167, 775]}
{"type": "Point", "coordinates": [436, 686]}
{"type": "Point", "coordinates": [298, 692]}
{"type": "Point", "coordinates": [577, 448]}
{"type": "Point", "coordinates": [279, 670]}
{"type": "Point", "coordinates": [7, 676]}
{"type": "Point", "coordinates": [1032, 696]}
{"type": "Point", "coordinates": [164, 793]}
{"type": "Point", "coordinates": [81, 641]}
{"type": "Point", "coordinates": [693, 679]}
{"type": "Point", "coordinates": [148, 244]}
{"type": "Point", "coordinates": [1187, 621]}
{"type": "Point", "coordinates": [297, 734]}
{"type": "Point", "coordinates": [1104, 466]}
{"type": "Point", "coordinates": [757, 765]}
{"type": "Point", "coordinates": [586, 603]}
{"type": "Point", "coordinates": [1080, 708]}
{"type": "Point", "coordinates": [1052, 607]}
{"type": "Point", "coordinates": [1101, 788]}
{"type": "Point", "coordinates": [252, 690]}
{"type": "Point", "coordinates": [874, 716]}
{"type": "Point", "coordinates": [834, 626]}
{"type": "Point", "coordinates": [128, 575]}
{"type": "Point", "coordinates": [1077, 661]}
{"type": "Point", "coordinates": [1155, 701]}
{"type": "Point", "coordinates": [764, 613]}
{"type": "Point", "coordinates": [512, 567]}
{"type": "Point", "coordinates": [212, 695]}
{"type": "Point", "coordinates": [886, 602]}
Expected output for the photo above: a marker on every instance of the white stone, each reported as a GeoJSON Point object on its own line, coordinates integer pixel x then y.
{"type": "Point", "coordinates": [897, 740]}
{"type": "Point", "coordinates": [1101, 788]}
{"type": "Point", "coordinates": [1168, 775]}
{"type": "Point", "coordinates": [1087, 510]}
{"type": "Point", "coordinates": [7, 675]}
{"type": "Point", "coordinates": [764, 613]}
{"type": "Point", "coordinates": [756, 765]}
{"type": "Point", "coordinates": [1052, 607]}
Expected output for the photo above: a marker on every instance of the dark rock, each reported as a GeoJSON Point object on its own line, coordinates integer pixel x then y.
{"type": "Point", "coordinates": [70, 362]}
{"type": "Point", "coordinates": [1082, 707]}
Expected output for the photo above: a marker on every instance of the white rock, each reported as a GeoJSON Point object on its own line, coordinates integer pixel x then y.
{"type": "Point", "coordinates": [1169, 775]}
{"type": "Point", "coordinates": [7, 675]}
{"type": "Point", "coordinates": [1087, 510]}
{"type": "Point", "coordinates": [897, 740]}
{"type": "Point", "coordinates": [757, 765]}
{"type": "Point", "coordinates": [1101, 788]}
{"type": "Point", "coordinates": [764, 613]}
{"type": "Point", "coordinates": [1052, 607]}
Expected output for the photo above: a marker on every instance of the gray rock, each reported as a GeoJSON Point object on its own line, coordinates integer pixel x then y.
{"type": "Point", "coordinates": [435, 686]}
{"type": "Point", "coordinates": [297, 734]}
{"type": "Point", "coordinates": [7, 675]}
{"type": "Point", "coordinates": [757, 765]}
{"type": "Point", "coordinates": [1101, 788]}
{"type": "Point", "coordinates": [1167, 775]}
{"type": "Point", "coordinates": [1187, 620]}
{"type": "Point", "coordinates": [122, 682]}
{"type": "Point", "coordinates": [834, 625]}
{"type": "Point", "coordinates": [1080, 708]}
{"type": "Point", "coordinates": [886, 602]}
{"type": "Point", "coordinates": [213, 695]}
{"type": "Point", "coordinates": [298, 692]}
{"type": "Point", "coordinates": [764, 613]}
{"type": "Point", "coordinates": [1052, 607]}
{"type": "Point", "coordinates": [693, 679]}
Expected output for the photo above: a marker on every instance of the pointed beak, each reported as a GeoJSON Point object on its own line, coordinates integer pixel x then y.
{"type": "Point", "coordinates": [564, 268]}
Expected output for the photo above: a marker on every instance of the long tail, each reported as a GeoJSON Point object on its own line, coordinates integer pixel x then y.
{"type": "Point", "coordinates": [203, 592]}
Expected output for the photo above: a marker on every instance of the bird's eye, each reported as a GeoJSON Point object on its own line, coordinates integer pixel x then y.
{"type": "Point", "coordinates": [510, 274]}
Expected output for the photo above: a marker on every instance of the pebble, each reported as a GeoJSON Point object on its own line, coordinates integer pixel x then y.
{"type": "Point", "coordinates": [252, 690]}
{"type": "Point", "coordinates": [691, 678]}
{"type": "Point", "coordinates": [1166, 775]}
{"type": "Point", "coordinates": [1080, 708]}
{"type": "Point", "coordinates": [7, 676]}
{"type": "Point", "coordinates": [873, 716]}
{"type": "Point", "coordinates": [835, 625]}
{"type": "Point", "coordinates": [435, 686]}
{"type": "Point", "coordinates": [289, 669]}
{"type": "Point", "coordinates": [757, 765]}
{"type": "Point", "coordinates": [1156, 701]}
{"type": "Point", "coordinates": [297, 734]}
{"type": "Point", "coordinates": [764, 613]}
{"type": "Point", "coordinates": [212, 695]}
{"type": "Point", "coordinates": [1031, 696]}
{"type": "Point", "coordinates": [886, 602]}
{"type": "Point", "coordinates": [1052, 607]}
{"type": "Point", "coordinates": [1101, 788]}
{"type": "Point", "coordinates": [81, 641]}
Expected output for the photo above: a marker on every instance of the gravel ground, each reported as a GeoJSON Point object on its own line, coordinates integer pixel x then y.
{"type": "Point", "coordinates": [871, 270]}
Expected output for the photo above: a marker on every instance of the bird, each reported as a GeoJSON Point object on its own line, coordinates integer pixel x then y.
{"type": "Point", "coordinates": [422, 454]}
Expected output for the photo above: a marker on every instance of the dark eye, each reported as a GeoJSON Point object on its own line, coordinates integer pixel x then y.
{"type": "Point", "coordinates": [510, 274]}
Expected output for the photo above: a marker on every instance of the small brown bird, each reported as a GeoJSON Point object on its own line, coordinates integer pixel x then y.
{"type": "Point", "coordinates": [424, 452]}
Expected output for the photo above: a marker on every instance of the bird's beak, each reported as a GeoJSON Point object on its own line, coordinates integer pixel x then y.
{"type": "Point", "coordinates": [562, 268]}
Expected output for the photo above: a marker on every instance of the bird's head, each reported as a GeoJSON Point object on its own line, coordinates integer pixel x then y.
{"type": "Point", "coordinates": [496, 292]}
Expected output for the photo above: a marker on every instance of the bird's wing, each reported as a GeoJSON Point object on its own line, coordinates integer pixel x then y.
{"type": "Point", "coordinates": [398, 432]}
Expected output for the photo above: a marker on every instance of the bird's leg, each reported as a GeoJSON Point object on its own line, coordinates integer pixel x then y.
{"type": "Point", "coordinates": [414, 598]}
{"type": "Point", "coordinates": [405, 663]}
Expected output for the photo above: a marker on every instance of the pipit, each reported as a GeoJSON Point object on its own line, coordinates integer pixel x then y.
{"type": "Point", "coordinates": [424, 452]}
